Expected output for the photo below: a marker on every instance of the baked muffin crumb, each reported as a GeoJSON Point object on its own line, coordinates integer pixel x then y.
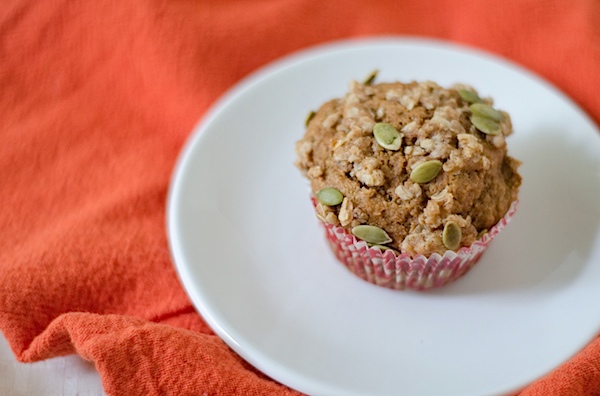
{"type": "Point", "coordinates": [474, 188]}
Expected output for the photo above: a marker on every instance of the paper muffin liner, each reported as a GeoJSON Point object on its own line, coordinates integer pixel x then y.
{"type": "Point", "coordinates": [401, 271]}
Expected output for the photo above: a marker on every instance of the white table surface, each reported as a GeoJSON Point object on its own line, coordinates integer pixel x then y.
{"type": "Point", "coordinates": [69, 375]}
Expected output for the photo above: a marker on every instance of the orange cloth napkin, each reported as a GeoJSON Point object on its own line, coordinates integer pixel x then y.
{"type": "Point", "coordinates": [96, 99]}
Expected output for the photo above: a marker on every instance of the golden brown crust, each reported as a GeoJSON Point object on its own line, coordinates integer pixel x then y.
{"type": "Point", "coordinates": [474, 189]}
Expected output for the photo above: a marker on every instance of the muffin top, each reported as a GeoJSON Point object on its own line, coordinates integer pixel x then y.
{"type": "Point", "coordinates": [425, 164]}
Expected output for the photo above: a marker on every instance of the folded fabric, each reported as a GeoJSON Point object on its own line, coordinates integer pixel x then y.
{"type": "Point", "coordinates": [97, 99]}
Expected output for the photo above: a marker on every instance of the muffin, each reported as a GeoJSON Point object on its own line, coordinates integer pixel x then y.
{"type": "Point", "coordinates": [411, 177]}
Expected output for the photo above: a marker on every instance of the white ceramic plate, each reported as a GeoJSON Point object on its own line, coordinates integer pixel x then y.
{"type": "Point", "coordinates": [253, 259]}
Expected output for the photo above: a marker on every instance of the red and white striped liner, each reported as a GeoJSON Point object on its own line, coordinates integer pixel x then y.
{"type": "Point", "coordinates": [401, 272]}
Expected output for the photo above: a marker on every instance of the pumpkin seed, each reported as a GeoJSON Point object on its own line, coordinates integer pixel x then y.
{"type": "Point", "coordinates": [426, 172]}
{"type": "Point", "coordinates": [452, 235]}
{"type": "Point", "coordinates": [330, 196]}
{"type": "Point", "coordinates": [485, 125]}
{"type": "Point", "coordinates": [487, 111]}
{"type": "Point", "coordinates": [371, 234]}
{"type": "Point", "coordinates": [387, 136]}
{"type": "Point", "coordinates": [469, 96]}
{"type": "Point", "coordinates": [371, 77]}
{"type": "Point", "coordinates": [311, 114]}
{"type": "Point", "coordinates": [482, 233]}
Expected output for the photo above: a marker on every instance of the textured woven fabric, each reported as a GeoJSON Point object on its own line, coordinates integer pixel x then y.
{"type": "Point", "coordinates": [97, 98]}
